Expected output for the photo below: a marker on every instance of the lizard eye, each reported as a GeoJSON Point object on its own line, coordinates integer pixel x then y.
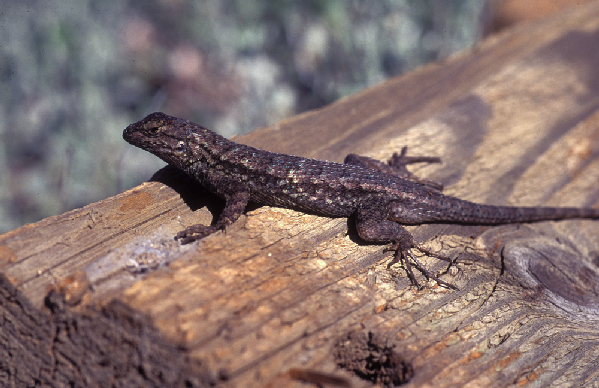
{"type": "Point", "coordinates": [153, 129]}
{"type": "Point", "coordinates": [180, 147]}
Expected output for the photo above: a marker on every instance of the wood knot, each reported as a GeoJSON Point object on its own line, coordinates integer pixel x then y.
{"type": "Point", "coordinates": [558, 269]}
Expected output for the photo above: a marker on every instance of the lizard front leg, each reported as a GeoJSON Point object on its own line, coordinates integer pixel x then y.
{"type": "Point", "coordinates": [234, 206]}
{"type": "Point", "coordinates": [372, 225]}
{"type": "Point", "coordinates": [397, 166]}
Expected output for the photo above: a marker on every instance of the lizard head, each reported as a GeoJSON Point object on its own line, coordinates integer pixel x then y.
{"type": "Point", "coordinates": [165, 136]}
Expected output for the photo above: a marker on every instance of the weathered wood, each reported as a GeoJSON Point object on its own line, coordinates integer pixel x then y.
{"type": "Point", "coordinates": [103, 296]}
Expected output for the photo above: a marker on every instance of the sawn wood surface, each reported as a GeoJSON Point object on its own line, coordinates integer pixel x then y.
{"type": "Point", "coordinates": [103, 295]}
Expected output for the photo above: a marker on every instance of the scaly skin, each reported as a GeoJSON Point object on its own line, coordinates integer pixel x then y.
{"type": "Point", "coordinates": [381, 196]}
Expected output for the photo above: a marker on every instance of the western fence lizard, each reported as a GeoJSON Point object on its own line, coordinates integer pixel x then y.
{"type": "Point", "coordinates": [380, 196]}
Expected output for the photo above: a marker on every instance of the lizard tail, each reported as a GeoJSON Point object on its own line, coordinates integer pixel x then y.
{"type": "Point", "coordinates": [488, 214]}
{"type": "Point", "coordinates": [450, 209]}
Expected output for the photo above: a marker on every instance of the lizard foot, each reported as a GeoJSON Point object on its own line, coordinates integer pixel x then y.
{"type": "Point", "coordinates": [398, 162]}
{"type": "Point", "coordinates": [405, 256]}
{"type": "Point", "coordinates": [401, 159]}
{"type": "Point", "coordinates": [195, 232]}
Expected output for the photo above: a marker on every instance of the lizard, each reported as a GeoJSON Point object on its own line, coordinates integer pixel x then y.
{"type": "Point", "coordinates": [382, 197]}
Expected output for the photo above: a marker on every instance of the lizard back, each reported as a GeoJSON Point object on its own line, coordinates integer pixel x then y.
{"type": "Point", "coordinates": [328, 188]}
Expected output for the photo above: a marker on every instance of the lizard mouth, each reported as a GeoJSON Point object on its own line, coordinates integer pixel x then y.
{"type": "Point", "coordinates": [132, 136]}
{"type": "Point", "coordinates": [128, 134]}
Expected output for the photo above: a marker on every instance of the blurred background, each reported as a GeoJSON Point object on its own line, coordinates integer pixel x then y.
{"type": "Point", "coordinates": [75, 73]}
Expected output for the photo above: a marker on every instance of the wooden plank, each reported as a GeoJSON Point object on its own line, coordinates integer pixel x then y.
{"type": "Point", "coordinates": [103, 296]}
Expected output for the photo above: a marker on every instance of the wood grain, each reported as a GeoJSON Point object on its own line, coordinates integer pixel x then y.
{"type": "Point", "coordinates": [103, 296]}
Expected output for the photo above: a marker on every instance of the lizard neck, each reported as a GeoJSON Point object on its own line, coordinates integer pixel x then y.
{"type": "Point", "coordinates": [207, 147]}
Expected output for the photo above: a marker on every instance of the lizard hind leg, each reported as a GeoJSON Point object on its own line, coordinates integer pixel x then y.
{"type": "Point", "coordinates": [397, 165]}
{"type": "Point", "coordinates": [372, 225]}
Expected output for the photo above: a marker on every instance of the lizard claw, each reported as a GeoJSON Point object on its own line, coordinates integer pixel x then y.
{"type": "Point", "coordinates": [195, 232]}
{"type": "Point", "coordinates": [399, 163]}
{"type": "Point", "coordinates": [406, 257]}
